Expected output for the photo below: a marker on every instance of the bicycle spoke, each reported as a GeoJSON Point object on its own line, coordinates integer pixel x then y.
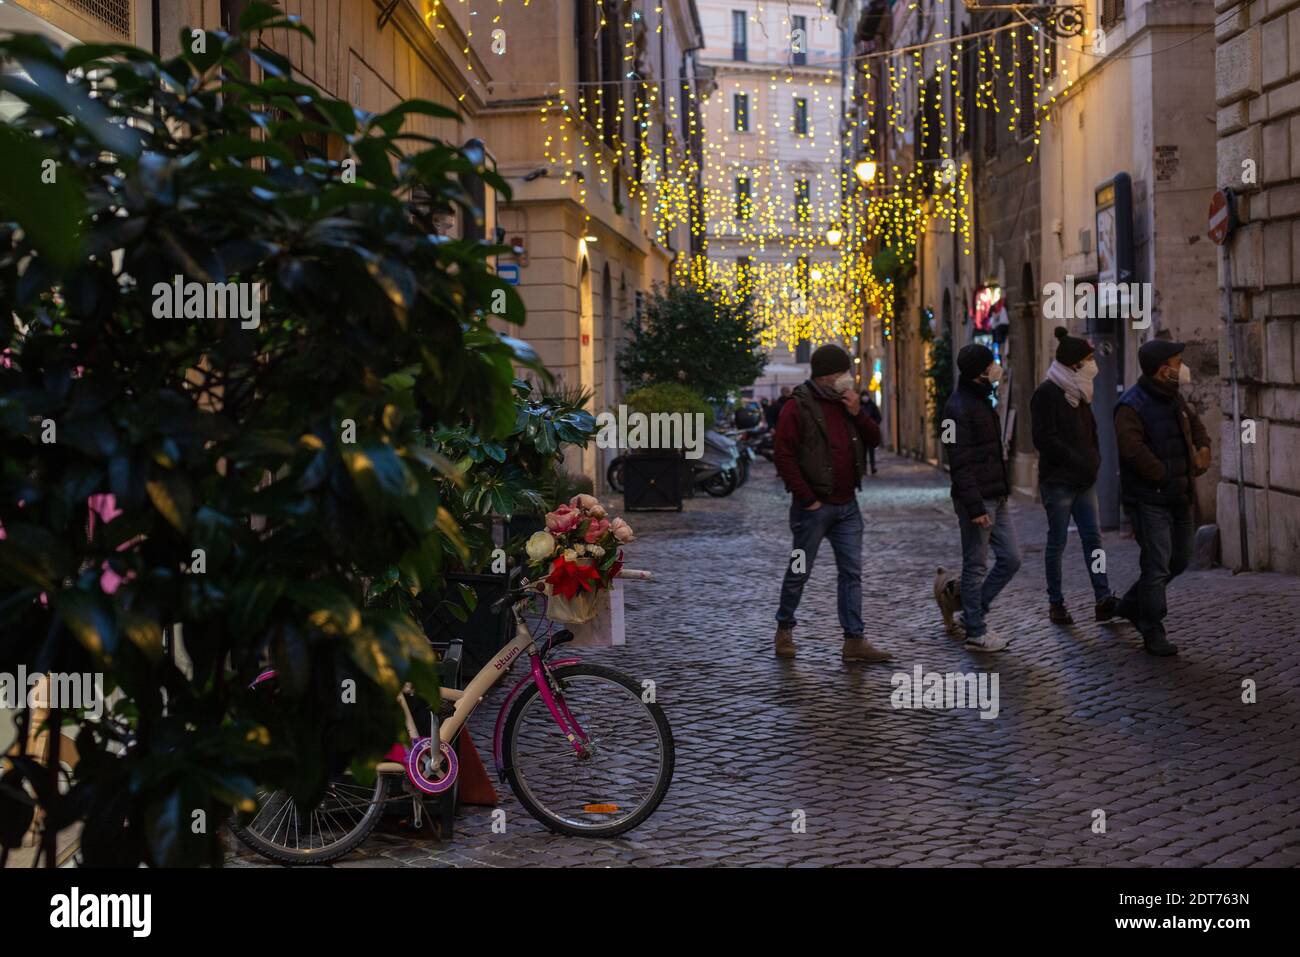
{"type": "Point", "coordinates": [618, 772]}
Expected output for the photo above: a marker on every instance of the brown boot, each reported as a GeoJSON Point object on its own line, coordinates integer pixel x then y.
{"type": "Point", "coordinates": [859, 649]}
{"type": "Point", "coordinates": [785, 642]}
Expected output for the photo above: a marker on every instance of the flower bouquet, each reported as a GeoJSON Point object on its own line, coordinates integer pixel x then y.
{"type": "Point", "coordinates": [577, 556]}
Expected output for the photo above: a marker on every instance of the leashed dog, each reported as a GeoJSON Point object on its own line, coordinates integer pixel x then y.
{"type": "Point", "coordinates": [947, 593]}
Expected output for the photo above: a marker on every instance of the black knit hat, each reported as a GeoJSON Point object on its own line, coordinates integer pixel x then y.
{"type": "Point", "coordinates": [973, 359]}
{"type": "Point", "coordinates": [1071, 350]}
{"type": "Point", "coordinates": [830, 359]}
{"type": "Point", "coordinates": [1156, 352]}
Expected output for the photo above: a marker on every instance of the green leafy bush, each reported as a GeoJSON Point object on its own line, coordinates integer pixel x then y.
{"type": "Point", "coordinates": [940, 375]}
{"type": "Point", "coordinates": [668, 397]}
{"type": "Point", "coordinates": [693, 337]}
{"type": "Point", "coordinates": [519, 473]}
{"type": "Point", "coordinates": [264, 475]}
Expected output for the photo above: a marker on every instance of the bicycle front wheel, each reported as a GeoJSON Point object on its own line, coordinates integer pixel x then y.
{"type": "Point", "coordinates": [623, 770]}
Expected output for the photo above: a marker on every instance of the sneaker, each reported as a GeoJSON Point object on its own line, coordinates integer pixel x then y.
{"type": "Point", "coordinates": [1159, 646]}
{"type": "Point", "coordinates": [1107, 608]}
{"type": "Point", "coordinates": [987, 642]}
{"type": "Point", "coordinates": [1059, 614]}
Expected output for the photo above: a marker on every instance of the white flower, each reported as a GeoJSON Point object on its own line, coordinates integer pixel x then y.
{"type": "Point", "coordinates": [570, 555]}
{"type": "Point", "coordinates": [580, 548]}
{"type": "Point", "coordinates": [540, 546]}
{"type": "Point", "coordinates": [595, 551]}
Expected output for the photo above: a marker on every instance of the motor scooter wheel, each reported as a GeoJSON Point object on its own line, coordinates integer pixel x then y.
{"type": "Point", "coordinates": [614, 474]}
{"type": "Point", "coordinates": [722, 484]}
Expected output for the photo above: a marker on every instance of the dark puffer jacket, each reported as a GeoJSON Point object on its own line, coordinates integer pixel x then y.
{"type": "Point", "coordinates": [1158, 435]}
{"type": "Point", "coordinates": [1065, 437]}
{"type": "Point", "coordinates": [975, 457]}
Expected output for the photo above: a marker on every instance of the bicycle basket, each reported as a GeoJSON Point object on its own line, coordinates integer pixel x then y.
{"type": "Point", "coordinates": [581, 608]}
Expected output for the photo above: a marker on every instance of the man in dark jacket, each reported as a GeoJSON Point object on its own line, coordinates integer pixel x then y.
{"type": "Point", "coordinates": [821, 442]}
{"type": "Point", "coordinates": [1162, 447]}
{"type": "Point", "coordinates": [972, 434]}
{"type": "Point", "coordinates": [1069, 457]}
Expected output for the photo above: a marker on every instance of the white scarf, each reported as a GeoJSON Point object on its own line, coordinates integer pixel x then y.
{"type": "Point", "coordinates": [1075, 386]}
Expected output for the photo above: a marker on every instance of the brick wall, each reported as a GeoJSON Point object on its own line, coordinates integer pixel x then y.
{"type": "Point", "coordinates": [1257, 91]}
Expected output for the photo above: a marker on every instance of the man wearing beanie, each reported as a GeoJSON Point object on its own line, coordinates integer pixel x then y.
{"type": "Point", "coordinates": [972, 435]}
{"type": "Point", "coordinates": [1162, 447]}
{"type": "Point", "coordinates": [1069, 457]}
{"type": "Point", "coordinates": [822, 436]}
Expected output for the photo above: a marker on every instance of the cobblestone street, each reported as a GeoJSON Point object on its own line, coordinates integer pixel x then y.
{"type": "Point", "coordinates": [1186, 773]}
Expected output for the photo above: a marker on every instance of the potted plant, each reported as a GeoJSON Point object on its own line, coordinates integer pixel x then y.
{"type": "Point", "coordinates": [659, 478]}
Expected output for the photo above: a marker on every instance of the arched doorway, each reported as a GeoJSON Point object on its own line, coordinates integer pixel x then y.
{"type": "Point", "coordinates": [586, 358]}
{"type": "Point", "coordinates": [607, 397]}
{"type": "Point", "coordinates": [1023, 354]}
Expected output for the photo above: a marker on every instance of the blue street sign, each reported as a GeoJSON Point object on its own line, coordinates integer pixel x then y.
{"type": "Point", "coordinates": [509, 272]}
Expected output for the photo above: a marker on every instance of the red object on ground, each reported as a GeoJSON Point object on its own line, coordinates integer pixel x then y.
{"type": "Point", "coordinates": [475, 785]}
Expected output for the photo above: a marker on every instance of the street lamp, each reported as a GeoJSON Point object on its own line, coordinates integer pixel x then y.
{"type": "Point", "coordinates": [834, 235]}
{"type": "Point", "coordinates": [865, 170]}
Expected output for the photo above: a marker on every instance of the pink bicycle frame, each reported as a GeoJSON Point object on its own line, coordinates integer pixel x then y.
{"type": "Point", "coordinates": [569, 726]}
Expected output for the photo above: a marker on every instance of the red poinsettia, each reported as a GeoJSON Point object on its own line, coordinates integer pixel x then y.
{"type": "Point", "coordinates": [567, 577]}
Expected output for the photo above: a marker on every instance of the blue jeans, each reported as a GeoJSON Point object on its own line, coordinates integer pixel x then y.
{"type": "Point", "coordinates": [1061, 502]}
{"type": "Point", "coordinates": [1164, 534]}
{"type": "Point", "coordinates": [977, 589]}
{"type": "Point", "coordinates": [842, 524]}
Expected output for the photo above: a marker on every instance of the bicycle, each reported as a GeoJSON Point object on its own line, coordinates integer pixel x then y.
{"type": "Point", "coordinates": [582, 749]}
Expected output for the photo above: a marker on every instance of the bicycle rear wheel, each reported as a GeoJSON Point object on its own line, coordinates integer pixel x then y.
{"type": "Point", "coordinates": [624, 772]}
{"type": "Point", "coordinates": [345, 816]}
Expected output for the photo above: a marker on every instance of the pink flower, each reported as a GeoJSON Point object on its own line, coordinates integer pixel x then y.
{"type": "Point", "coordinates": [563, 519]}
{"type": "Point", "coordinates": [585, 502]}
{"type": "Point", "coordinates": [622, 531]}
{"type": "Point", "coordinates": [596, 530]}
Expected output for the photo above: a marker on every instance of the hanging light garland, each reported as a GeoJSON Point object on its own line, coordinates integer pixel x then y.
{"type": "Point", "coordinates": [812, 271]}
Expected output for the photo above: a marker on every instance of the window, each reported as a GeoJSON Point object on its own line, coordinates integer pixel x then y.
{"type": "Point", "coordinates": [739, 36]}
{"type": "Point", "coordinates": [799, 40]}
{"type": "Point", "coordinates": [1112, 11]}
{"type": "Point", "coordinates": [1025, 51]}
{"type": "Point", "coordinates": [740, 112]}
{"type": "Point", "coordinates": [802, 201]}
{"type": "Point", "coordinates": [801, 115]}
{"type": "Point", "coordinates": [744, 204]}
{"type": "Point", "coordinates": [584, 28]}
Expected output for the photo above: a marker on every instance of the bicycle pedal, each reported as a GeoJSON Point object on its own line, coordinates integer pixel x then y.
{"type": "Point", "coordinates": [418, 816]}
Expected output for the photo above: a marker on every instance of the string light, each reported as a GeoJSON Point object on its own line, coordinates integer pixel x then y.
{"type": "Point", "coordinates": [813, 249]}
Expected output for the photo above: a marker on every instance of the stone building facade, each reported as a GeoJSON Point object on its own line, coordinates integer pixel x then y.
{"type": "Point", "coordinates": [1257, 92]}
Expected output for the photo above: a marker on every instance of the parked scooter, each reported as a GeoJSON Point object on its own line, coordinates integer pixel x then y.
{"type": "Point", "coordinates": [717, 472]}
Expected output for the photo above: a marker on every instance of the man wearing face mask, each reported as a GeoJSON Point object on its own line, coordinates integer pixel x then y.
{"type": "Point", "coordinates": [972, 434]}
{"type": "Point", "coordinates": [1162, 447]}
{"type": "Point", "coordinates": [820, 452]}
{"type": "Point", "coordinates": [1069, 457]}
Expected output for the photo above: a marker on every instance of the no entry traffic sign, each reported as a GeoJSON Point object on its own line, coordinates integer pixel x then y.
{"type": "Point", "coordinates": [1221, 216]}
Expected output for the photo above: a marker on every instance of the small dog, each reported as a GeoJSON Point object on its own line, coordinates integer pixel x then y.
{"type": "Point", "coordinates": [947, 593]}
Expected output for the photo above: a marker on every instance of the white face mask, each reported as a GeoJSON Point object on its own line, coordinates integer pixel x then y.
{"type": "Point", "coordinates": [994, 373]}
{"type": "Point", "coordinates": [844, 383]}
{"type": "Point", "coordinates": [1184, 376]}
{"type": "Point", "coordinates": [1088, 370]}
